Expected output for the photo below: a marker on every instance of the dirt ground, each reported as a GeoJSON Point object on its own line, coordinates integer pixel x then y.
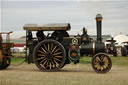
{"type": "Point", "coordinates": [79, 74]}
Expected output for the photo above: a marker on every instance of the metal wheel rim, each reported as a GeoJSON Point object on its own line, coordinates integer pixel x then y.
{"type": "Point", "coordinates": [101, 63]}
{"type": "Point", "coordinates": [53, 63]}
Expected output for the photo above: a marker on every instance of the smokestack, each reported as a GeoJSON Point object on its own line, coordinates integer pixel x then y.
{"type": "Point", "coordinates": [99, 27]}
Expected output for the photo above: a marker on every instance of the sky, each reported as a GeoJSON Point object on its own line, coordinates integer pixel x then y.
{"type": "Point", "coordinates": [79, 13]}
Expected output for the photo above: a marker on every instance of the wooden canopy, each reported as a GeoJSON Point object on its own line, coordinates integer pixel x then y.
{"type": "Point", "coordinates": [47, 27]}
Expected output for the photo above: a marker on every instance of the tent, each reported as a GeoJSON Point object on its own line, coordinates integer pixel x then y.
{"type": "Point", "coordinates": [120, 39]}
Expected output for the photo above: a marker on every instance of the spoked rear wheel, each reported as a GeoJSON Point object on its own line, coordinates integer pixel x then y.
{"type": "Point", "coordinates": [49, 55]}
{"type": "Point", "coordinates": [5, 63]}
{"type": "Point", "coordinates": [101, 63]}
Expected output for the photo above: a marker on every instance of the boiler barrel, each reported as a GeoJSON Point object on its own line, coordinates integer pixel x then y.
{"type": "Point", "coordinates": [92, 48]}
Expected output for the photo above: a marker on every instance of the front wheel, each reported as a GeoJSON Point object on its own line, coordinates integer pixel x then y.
{"type": "Point", "coordinates": [101, 63]}
{"type": "Point", "coordinates": [49, 55]}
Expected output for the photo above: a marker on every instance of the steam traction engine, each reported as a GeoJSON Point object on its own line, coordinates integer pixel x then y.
{"type": "Point", "coordinates": [111, 48]}
{"type": "Point", "coordinates": [54, 51]}
{"type": "Point", "coordinates": [5, 53]}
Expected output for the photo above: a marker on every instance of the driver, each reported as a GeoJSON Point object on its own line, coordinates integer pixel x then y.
{"type": "Point", "coordinates": [40, 35]}
{"type": "Point", "coordinates": [85, 37]}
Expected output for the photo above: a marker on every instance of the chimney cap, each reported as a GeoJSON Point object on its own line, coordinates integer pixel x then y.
{"type": "Point", "coordinates": [98, 16]}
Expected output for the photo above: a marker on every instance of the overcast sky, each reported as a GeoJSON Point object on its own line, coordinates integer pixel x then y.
{"type": "Point", "coordinates": [79, 13]}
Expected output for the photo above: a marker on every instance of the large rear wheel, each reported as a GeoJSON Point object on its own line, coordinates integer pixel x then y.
{"type": "Point", "coordinates": [49, 55]}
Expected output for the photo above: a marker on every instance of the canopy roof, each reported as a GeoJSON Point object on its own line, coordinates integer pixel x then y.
{"type": "Point", "coordinates": [47, 27]}
{"type": "Point", "coordinates": [121, 38]}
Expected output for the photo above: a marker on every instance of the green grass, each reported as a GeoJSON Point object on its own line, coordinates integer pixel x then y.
{"type": "Point", "coordinates": [85, 60]}
{"type": "Point", "coordinates": [15, 60]}
{"type": "Point", "coordinates": [118, 61]}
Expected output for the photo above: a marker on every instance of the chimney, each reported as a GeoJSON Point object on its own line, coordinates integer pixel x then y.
{"type": "Point", "coordinates": [99, 27]}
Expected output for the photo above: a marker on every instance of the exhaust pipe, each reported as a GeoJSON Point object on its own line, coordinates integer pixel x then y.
{"type": "Point", "coordinates": [99, 27]}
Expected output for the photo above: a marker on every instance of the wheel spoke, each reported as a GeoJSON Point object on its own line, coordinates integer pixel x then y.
{"type": "Point", "coordinates": [41, 55]}
{"type": "Point", "coordinates": [106, 61]}
{"type": "Point", "coordinates": [48, 47]}
{"type": "Point", "coordinates": [106, 64]}
{"type": "Point", "coordinates": [51, 46]}
{"type": "Point", "coordinates": [45, 47]}
{"type": "Point", "coordinates": [53, 65]}
{"type": "Point", "coordinates": [47, 64]}
{"type": "Point", "coordinates": [96, 62]}
{"type": "Point", "coordinates": [96, 66]}
{"type": "Point", "coordinates": [50, 65]}
{"type": "Point", "coordinates": [43, 66]}
{"type": "Point", "coordinates": [42, 61]}
{"type": "Point", "coordinates": [43, 50]}
{"type": "Point", "coordinates": [102, 57]}
{"type": "Point", "coordinates": [105, 58]}
{"type": "Point", "coordinates": [102, 68]}
{"type": "Point", "coordinates": [56, 63]}
{"type": "Point", "coordinates": [57, 59]}
{"type": "Point", "coordinates": [57, 53]}
{"type": "Point", "coordinates": [40, 58]}
{"type": "Point", "coordinates": [98, 59]}
{"type": "Point", "coordinates": [54, 48]}
{"type": "Point", "coordinates": [58, 56]}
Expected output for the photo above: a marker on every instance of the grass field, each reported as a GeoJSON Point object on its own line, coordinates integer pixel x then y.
{"type": "Point", "coordinates": [116, 61]}
{"type": "Point", "coordinates": [80, 74]}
